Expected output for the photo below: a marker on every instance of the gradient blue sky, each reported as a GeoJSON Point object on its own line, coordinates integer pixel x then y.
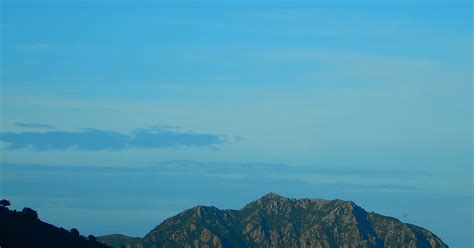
{"type": "Point", "coordinates": [349, 86]}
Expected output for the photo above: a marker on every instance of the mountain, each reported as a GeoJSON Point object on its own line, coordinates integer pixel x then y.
{"type": "Point", "coordinates": [277, 221]}
{"type": "Point", "coordinates": [23, 229]}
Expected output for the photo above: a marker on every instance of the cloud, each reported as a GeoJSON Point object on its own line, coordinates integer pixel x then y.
{"type": "Point", "coordinates": [96, 140]}
{"type": "Point", "coordinates": [33, 125]}
{"type": "Point", "coordinates": [163, 126]}
{"type": "Point", "coordinates": [275, 170]}
{"type": "Point", "coordinates": [159, 138]}
{"type": "Point", "coordinates": [38, 46]}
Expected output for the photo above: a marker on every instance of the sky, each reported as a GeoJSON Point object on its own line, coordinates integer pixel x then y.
{"type": "Point", "coordinates": [344, 99]}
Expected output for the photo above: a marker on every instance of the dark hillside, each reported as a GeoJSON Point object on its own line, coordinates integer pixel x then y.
{"type": "Point", "coordinates": [23, 229]}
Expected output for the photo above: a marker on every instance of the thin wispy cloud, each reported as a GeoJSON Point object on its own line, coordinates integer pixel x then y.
{"type": "Point", "coordinates": [38, 46]}
{"type": "Point", "coordinates": [33, 125]}
{"type": "Point", "coordinates": [164, 126]}
{"type": "Point", "coordinates": [96, 140]}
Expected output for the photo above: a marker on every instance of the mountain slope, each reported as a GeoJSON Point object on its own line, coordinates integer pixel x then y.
{"type": "Point", "coordinates": [276, 221]}
{"type": "Point", "coordinates": [24, 229]}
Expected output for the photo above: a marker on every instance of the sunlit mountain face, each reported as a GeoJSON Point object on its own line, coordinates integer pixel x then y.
{"type": "Point", "coordinates": [277, 221]}
{"type": "Point", "coordinates": [115, 116]}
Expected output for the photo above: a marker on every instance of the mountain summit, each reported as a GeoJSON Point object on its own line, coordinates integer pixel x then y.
{"type": "Point", "coordinates": [278, 221]}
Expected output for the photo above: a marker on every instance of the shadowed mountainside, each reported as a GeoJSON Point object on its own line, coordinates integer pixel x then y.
{"type": "Point", "coordinates": [277, 221]}
{"type": "Point", "coordinates": [24, 229]}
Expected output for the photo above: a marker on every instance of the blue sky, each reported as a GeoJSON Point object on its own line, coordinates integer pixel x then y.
{"type": "Point", "coordinates": [369, 86]}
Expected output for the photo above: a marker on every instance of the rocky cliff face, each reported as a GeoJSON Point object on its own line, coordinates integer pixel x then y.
{"type": "Point", "coordinates": [276, 221]}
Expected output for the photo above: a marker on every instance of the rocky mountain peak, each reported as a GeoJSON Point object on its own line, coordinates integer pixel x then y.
{"type": "Point", "coordinates": [273, 196]}
{"type": "Point", "coordinates": [278, 221]}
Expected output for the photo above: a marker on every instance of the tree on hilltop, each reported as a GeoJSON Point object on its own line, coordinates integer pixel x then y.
{"type": "Point", "coordinates": [4, 203]}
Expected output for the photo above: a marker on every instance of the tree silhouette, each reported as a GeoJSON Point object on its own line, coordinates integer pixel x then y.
{"type": "Point", "coordinates": [4, 203]}
{"type": "Point", "coordinates": [30, 212]}
{"type": "Point", "coordinates": [92, 238]}
{"type": "Point", "coordinates": [75, 232]}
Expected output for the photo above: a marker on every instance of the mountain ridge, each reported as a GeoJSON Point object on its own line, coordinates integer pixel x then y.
{"type": "Point", "coordinates": [278, 221]}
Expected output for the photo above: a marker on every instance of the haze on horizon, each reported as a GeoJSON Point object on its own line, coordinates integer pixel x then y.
{"type": "Point", "coordinates": [369, 102]}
